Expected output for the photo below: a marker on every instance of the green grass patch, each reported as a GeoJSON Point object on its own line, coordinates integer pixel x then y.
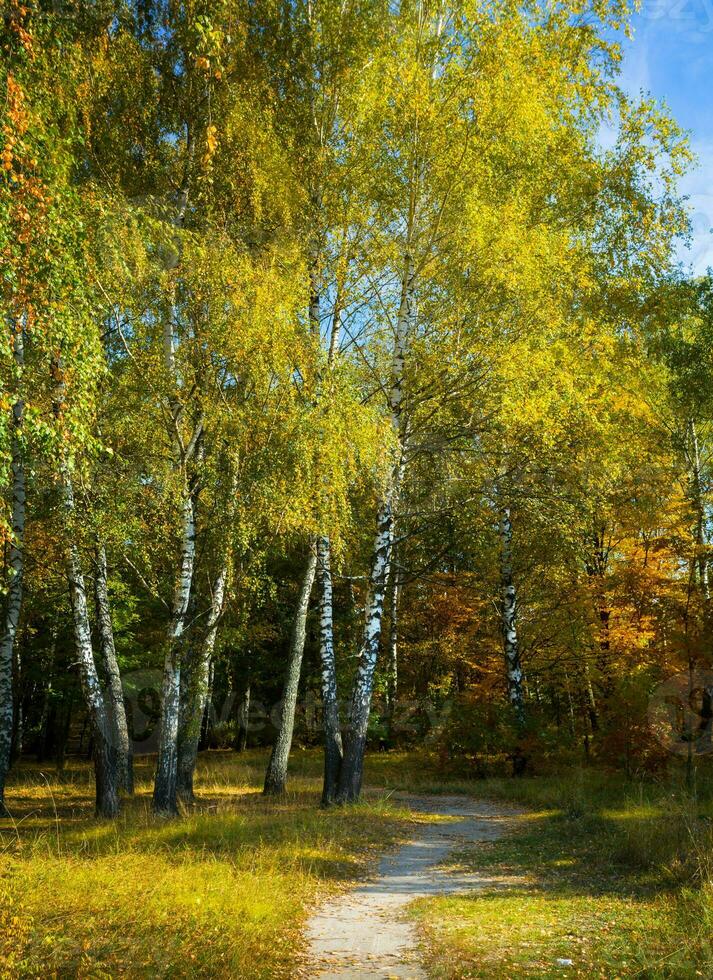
{"type": "Point", "coordinates": [610, 875]}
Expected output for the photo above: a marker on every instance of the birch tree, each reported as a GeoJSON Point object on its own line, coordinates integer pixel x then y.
{"type": "Point", "coordinates": [326, 43]}
{"type": "Point", "coordinates": [13, 600]}
{"type": "Point", "coordinates": [114, 689]}
{"type": "Point", "coordinates": [49, 305]}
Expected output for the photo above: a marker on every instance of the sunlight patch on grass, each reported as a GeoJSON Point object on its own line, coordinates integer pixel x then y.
{"type": "Point", "coordinates": [608, 875]}
{"type": "Point", "coordinates": [221, 892]}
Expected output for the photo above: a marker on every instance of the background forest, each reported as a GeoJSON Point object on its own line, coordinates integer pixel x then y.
{"type": "Point", "coordinates": [351, 395]}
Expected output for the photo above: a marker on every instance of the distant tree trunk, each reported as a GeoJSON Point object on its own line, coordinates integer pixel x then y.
{"type": "Point", "coordinates": [18, 721]}
{"type": "Point", "coordinates": [104, 748]}
{"type": "Point", "coordinates": [511, 646]}
{"type": "Point", "coordinates": [195, 680]}
{"type": "Point", "coordinates": [697, 501]}
{"type": "Point", "coordinates": [596, 568]}
{"type": "Point", "coordinates": [64, 724]}
{"type": "Point", "coordinates": [590, 700]}
{"type": "Point", "coordinates": [508, 619]}
{"type": "Point", "coordinates": [208, 710]}
{"type": "Point", "coordinates": [276, 775]}
{"type": "Point", "coordinates": [330, 701]}
{"type": "Point", "coordinates": [13, 602]}
{"type": "Point", "coordinates": [392, 678]}
{"type": "Point", "coordinates": [242, 718]}
{"type": "Point", "coordinates": [47, 713]}
{"type": "Point", "coordinates": [111, 669]}
{"type": "Point", "coordinates": [165, 786]}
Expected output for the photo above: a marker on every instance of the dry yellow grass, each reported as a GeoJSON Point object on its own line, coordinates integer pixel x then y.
{"type": "Point", "coordinates": [613, 875]}
{"type": "Point", "coordinates": [221, 892]}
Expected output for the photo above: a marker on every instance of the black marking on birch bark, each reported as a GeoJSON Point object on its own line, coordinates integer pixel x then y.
{"type": "Point", "coordinates": [508, 613]}
{"type": "Point", "coordinates": [104, 748]}
{"type": "Point", "coordinates": [330, 703]}
{"type": "Point", "coordinates": [165, 784]}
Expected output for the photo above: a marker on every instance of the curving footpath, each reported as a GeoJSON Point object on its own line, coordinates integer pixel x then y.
{"type": "Point", "coordinates": [363, 934]}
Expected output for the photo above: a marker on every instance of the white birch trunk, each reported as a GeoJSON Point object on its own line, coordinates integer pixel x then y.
{"type": "Point", "coordinates": [392, 680]}
{"type": "Point", "coordinates": [242, 719]}
{"type": "Point", "coordinates": [195, 683]}
{"type": "Point", "coordinates": [359, 709]}
{"type": "Point", "coordinates": [508, 613]}
{"type": "Point", "coordinates": [330, 701]}
{"type": "Point", "coordinates": [699, 511]}
{"type": "Point", "coordinates": [115, 691]}
{"type": "Point", "coordinates": [105, 751]}
{"type": "Point", "coordinates": [360, 706]}
{"type": "Point", "coordinates": [16, 566]}
{"type": "Point", "coordinates": [165, 785]}
{"type": "Point", "coordinates": [276, 775]}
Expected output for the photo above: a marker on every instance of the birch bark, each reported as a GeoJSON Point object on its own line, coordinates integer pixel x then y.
{"type": "Point", "coordinates": [696, 492]}
{"type": "Point", "coordinates": [104, 748]}
{"type": "Point", "coordinates": [351, 775]}
{"type": "Point", "coordinates": [195, 677]}
{"type": "Point", "coordinates": [115, 691]}
{"type": "Point", "coordinates": [13, 602]}
{"type": "Point", "coordinates": [330, 702]}
{"type": "Point", "coordinates": [242, 720]}
{"type": "Point", "coordinates": [392, 680]}
{"type": "Point", "coordinates": [276, 775]}
{"type": "Point", "coordinates": [166, 780]}
{"type": "Point", "coordinates": [165, 801]}
{"type": "Point", "coordinates": [508, 614]}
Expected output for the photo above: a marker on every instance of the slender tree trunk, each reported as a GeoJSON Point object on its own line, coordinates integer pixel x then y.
{"type": "Point", "coordinates": [276, 775]}
{"type": "Point", "coordinates": [330, 701]}
{"type": "Point", "coordinates": [63, 723]}
{"type": "Point", "coordinates": [351, 774]}
{"type": "Point", "coordinates": [165, 785]}
{"type": "Point", "coordinates": [13, 601]}
{"type": "Point", "coordinates": [352, 770]}
{"type": "Point", "coordinates": [699, 512]}
{"type": "Point", "coordinates": [194, 692]}
{"type": "Point", "coordinates": [242, 719]}
{"type": "Point", "coordinates": [508, 614]}
{"type": "Point", "coordinates": [591, 701]}
{"type": "Point", "coordinates": [208, 710]}
{"type": "Point", "coordinates": [18, 721]}
{"type": "Point", "coordinates": [105, 749]}
{"type": "Point", "coordinates": [392, 680]}
{"type": "Point", "coordinates": [111, 669]}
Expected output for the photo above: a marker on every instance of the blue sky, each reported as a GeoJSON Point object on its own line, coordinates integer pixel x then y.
{"type": "Point", "coordinates": [671, 56]}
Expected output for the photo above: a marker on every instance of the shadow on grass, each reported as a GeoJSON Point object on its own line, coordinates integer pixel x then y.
{"type": "Point", "coordinates": [230, 820]}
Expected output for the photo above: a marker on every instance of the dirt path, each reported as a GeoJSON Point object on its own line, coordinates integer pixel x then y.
{"type": "Point", "coordinates": [364, 935]}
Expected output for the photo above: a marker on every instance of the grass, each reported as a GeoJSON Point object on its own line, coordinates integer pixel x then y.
{"type": "Point", "coordinates": [613, 875]}
{"type": "Point", "coordinates": [220, 893]}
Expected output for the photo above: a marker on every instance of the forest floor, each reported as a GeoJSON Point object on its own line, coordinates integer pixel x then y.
{"type": "Point", "coordinates": [598, 876]}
